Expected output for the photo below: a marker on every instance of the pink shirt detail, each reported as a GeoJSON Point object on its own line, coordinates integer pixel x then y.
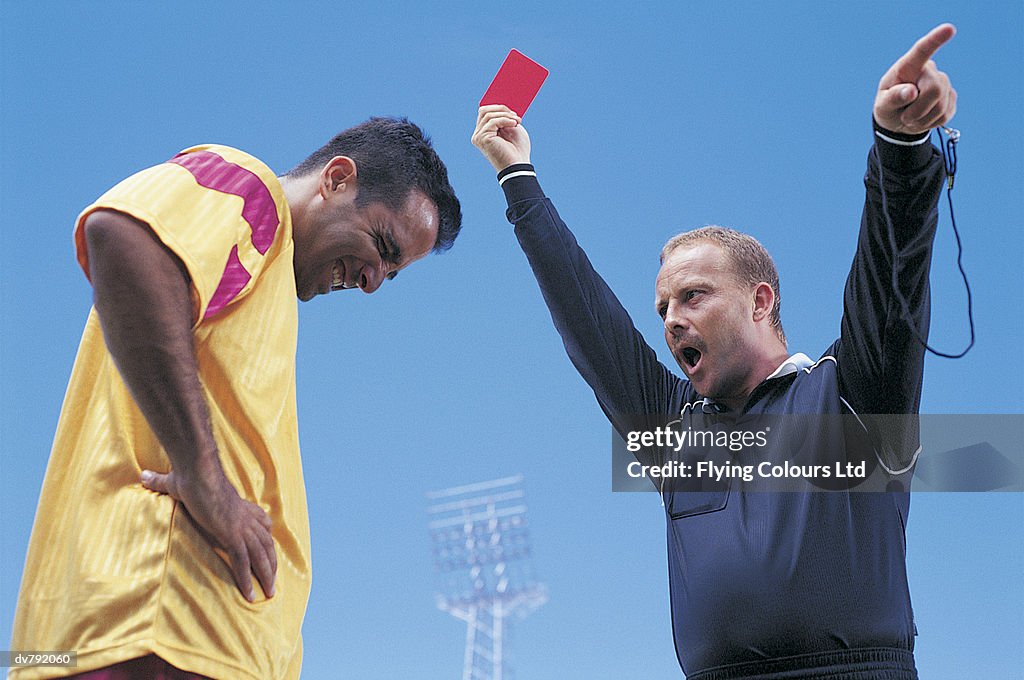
{"type": "Point", "coordinates": [213, 172]}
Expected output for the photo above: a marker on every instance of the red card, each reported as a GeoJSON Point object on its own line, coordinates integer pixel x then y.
{"type": "Point", "coordinates": [516, 84]}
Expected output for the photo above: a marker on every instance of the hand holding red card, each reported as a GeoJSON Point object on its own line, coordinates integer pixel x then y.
{"type": "Point", "coordinates": [516, 84]}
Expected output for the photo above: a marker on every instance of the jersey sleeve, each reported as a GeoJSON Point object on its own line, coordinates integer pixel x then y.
{"type": "Point", "coordinates": [879, 357]}
{"type": "Point", "coordinates": [608, 352]}
{"type": "Point", "coordinates": [218, 209]}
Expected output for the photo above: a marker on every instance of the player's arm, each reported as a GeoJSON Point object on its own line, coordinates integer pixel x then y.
{"type": "Point", "coordinates": [879, 358]}
{"type": "Point", "coordinates": [142, 296]}
{"type": "Point", "coordinates": [606, 349]}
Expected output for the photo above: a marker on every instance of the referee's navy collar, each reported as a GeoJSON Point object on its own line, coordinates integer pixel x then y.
{"type": "Point", "coordinates": [791, 365]}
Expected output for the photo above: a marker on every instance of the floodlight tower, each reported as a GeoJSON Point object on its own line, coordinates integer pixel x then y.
{"type": "Point", "coordinates": [481, 550]}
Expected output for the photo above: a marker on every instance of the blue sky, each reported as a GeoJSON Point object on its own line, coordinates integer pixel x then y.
{"type": "Point", "coordinates": [657, 117]}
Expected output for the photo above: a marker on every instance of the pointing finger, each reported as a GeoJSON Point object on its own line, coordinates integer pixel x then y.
{"type": "Point", "coordinates": [910, 65]}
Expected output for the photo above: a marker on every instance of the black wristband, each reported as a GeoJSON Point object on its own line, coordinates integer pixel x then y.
{"type": "Point", "coordinates": [516, 170]}
{"type": "Point", "coordinates": [899, 137]}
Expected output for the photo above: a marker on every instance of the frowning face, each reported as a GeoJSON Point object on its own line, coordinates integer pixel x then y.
{"type": "Point", "coordinates": [352, 246]}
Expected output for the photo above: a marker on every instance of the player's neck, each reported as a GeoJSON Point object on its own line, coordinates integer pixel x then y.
{"type": "Point", "coordinates": [298, 192]}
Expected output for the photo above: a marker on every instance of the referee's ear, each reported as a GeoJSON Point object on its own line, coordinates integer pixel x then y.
{"type": "Point", "coordinates": [763, 299]}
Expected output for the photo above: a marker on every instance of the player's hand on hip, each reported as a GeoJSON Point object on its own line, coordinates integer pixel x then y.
{"type": "Point", "coordinates": [914, 96]}
{"type": "Point", "coordinates": [242, 530]}
{"type": "Point", "coordinates": [500, 136]}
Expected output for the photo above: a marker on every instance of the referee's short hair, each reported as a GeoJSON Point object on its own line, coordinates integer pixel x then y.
{"type": "Point", "coordinates": [750, 261]}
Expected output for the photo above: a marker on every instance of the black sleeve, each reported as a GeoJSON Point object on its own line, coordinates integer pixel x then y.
{"type": "Point", "coordinates": [879, 359]}
{"type": "Point", "coordinates": [604, 346]}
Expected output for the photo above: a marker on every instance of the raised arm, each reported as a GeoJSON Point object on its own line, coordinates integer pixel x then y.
{"type": "Point", "coordinates": [607, 350]}
{"type": "Point", "coordinates": [880, 359]}
{"type": "Point", "coordinates": [142, 296]}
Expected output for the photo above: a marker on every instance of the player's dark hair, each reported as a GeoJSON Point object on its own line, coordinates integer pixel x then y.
{"type": "Point", "coordinates": [393, 157]}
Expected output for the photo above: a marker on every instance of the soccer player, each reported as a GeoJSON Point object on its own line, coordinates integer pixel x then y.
{"type": "Point", "coordinates": [185, 380]}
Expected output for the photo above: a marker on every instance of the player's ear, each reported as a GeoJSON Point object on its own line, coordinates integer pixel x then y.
{"type": "Point", "coordinates": [764, 301]}
{"type": "Point", "coordinates": [338, 174]}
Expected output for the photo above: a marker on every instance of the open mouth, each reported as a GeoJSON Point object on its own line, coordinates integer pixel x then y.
{"type": "Point", "coordinates": [691, 356]}
{"type": "Point", "coordinates": [338, 277]}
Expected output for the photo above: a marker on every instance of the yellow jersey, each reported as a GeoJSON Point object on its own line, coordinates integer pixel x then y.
{"type": "Point", "coordinates": [115, 571]}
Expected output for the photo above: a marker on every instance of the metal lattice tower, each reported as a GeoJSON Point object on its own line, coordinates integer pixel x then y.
{"type": "Point", "coordinates": [482, 554]}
